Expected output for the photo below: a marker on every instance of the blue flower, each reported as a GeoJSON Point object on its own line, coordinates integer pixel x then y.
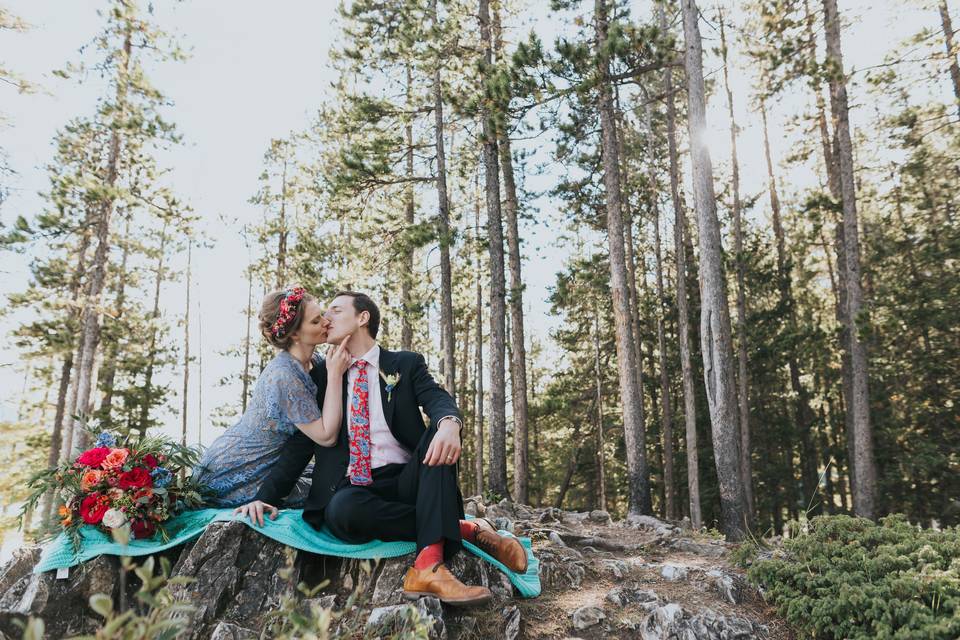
{"type": "Point", "coordinates": [161, 477]}
{"type": "Point", "coordinates": [106, 439]}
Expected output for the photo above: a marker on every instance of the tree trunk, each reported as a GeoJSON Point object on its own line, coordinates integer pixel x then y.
{"type": "Point", "coordinates": [186, 349]}
{"type": "Point", "coordinates": [951, 50]}
{"type": "Point", "coordinates": [715, 314]}
{"type": "Point", "coordinates": [443, 227]}
{"type": "Point", "coordinates": [154, 320]}
{"type": "Point", "coordinates": [601, 463]}
{"type": "Point", "coordinates": [246, 344]}
{"type": "Point", "coordinates": [498, 420]}
{"type": "Point", "coordinates": [864, 466]}
{"type": "Point", "coordinates": [666, 408]}
{"type": "Point", "coordinates": [518, 351]}
{"type": "Point", "coordinates": [406, 278]}
{"type": "Point", "coordinates": [633, 299]}
{"type": "Point", "coordinates": [70, 411]}
{"type": "Point", "coordinates": [466, 441]}
{"type": "Point", "coordinates": [683, 312]}
{"type": "Point", "coordinates": [571, 467]}
{"type": "Point", "coordinates": [91, 312]}
{"type": "Point", "coordinates": [746, 463]}
{"type": "Point", "coordinates": [57, 438]}
{"type": "Point", "coordinates": [282, 227]}
{"type": "Point", "coordinates": [199, 372]}
{"type": "Point", "coordinates": [478, 353]}
{"type": "Point", "coordinates": [638, 479]}
{"type": "Point", "coordinates": [113, 349]}
{"type": "Point", "coordinates": [829, 148]}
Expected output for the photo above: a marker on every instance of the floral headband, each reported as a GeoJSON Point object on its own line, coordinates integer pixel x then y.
{"type": "Point", "coordinates": [288, 310]}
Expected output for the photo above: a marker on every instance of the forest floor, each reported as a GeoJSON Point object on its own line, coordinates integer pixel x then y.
{"type": "Point", "coordinates": [639, 578]}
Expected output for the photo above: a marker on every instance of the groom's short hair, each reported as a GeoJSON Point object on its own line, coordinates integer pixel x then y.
{"type": "Point", "coordinates": [363, 302]}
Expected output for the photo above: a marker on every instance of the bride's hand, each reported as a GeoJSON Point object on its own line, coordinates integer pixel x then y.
{"type": "Point", "coordinates": [255, 511]}
{"type": "Point", "coordinates": [339, 359]}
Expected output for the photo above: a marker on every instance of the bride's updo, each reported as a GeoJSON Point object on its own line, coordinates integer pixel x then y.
{"type": "Point", "coordinates": [281, 314]}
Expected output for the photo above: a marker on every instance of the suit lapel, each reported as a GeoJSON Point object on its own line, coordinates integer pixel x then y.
{"type": "Point", "coordinates": [387, 366]}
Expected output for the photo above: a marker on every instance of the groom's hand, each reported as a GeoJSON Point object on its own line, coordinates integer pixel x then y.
{"type": "Point", "coordinates": [445, 446]}
{"type": "Point", "coordinates": [255, 511]}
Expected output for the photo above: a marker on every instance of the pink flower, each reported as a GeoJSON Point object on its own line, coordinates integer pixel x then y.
{"type": "Point", "coordinates": [115, 458]}
{"type": "Point", "coordinates": [90, 479]}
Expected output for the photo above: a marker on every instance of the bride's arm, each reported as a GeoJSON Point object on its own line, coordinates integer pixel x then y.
{"type": "Point", "coordinates": [325, 430]}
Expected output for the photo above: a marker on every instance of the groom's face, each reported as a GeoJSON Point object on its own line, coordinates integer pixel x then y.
{"type": "Point", "coordinates": [344, 319]}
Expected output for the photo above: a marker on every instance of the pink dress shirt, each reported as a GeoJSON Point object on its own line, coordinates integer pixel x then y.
{"type": "Point", "coordinates": [384, 448]}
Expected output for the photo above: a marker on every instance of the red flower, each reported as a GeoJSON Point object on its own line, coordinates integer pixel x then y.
{"type": "Point", "coordinates": [92, 508]}
{"type": "Point", "coordinates": [143, 528]}
{"type": "Point", "coordinates": [135, 478]}
{"type": "Point", "coordinates": [150, 461]}
{"type": "Point", "coordinates": [93, 457]}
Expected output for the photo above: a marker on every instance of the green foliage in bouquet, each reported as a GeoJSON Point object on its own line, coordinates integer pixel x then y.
{"type": "Point", "coordinates": [850, 578]}
{"type": "Point", "coordinates": [123, 480]}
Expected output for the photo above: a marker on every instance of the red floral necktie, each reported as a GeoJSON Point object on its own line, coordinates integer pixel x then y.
{"type": "Point", "coordinates": [359, 469]}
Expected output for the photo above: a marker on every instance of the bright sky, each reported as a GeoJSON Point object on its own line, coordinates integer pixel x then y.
{"type": "Point", "coordinates": [256, 74]}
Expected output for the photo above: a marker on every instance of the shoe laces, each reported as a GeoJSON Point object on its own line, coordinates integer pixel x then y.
{"type": "Point", "coordinates": [486, 541]}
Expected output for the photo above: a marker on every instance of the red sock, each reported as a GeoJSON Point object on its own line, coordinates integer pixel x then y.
{"type": "Point", "coordinates": [429, 556]}
{"type": "Point", "coordinates": [468, 531]}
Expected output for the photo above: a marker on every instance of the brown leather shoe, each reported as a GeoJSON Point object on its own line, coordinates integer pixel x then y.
{"type": "Point", "coordinates": [439, 582]}
{"type": "Point", "coordinates": [506, 549]}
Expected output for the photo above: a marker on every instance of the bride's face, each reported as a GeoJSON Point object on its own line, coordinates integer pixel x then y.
{"type": "Point", "coordinates": [313, 329]}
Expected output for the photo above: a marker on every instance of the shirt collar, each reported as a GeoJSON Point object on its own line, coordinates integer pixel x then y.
{"type": "Point", "coordinates": [372, 357]}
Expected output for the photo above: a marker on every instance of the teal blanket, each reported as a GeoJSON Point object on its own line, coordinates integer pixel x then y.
{"type": "Point", "coordinates": [289, 528]}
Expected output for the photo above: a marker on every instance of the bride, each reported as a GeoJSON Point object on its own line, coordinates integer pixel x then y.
{"type": "Point", "coordinates": [284, 400]}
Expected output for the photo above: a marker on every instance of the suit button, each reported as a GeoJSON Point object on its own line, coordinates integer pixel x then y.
{"type": "Point", "coordinates": [333, 487]}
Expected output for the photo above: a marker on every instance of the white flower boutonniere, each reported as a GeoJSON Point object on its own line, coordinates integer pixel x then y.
{"type": "Point", "coordinates": [391, 381]}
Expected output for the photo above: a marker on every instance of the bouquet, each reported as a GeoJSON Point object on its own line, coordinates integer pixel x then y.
{"type": "Point", "coordinates": [122, 482]}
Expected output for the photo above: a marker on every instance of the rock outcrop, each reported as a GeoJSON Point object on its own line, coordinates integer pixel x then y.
{"type": "Point", "coordinates": [637, 578]}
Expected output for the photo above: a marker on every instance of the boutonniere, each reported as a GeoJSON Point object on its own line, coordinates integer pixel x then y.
{"type": "Point", "coordinates": [391, 381]}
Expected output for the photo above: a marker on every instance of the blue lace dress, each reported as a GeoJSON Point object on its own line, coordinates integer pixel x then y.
{"type": "Point", "coordinates": [239, 460]}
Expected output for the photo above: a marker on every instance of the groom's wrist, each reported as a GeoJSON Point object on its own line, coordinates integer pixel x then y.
{"type": "Point", "coordinates": [451, 422]}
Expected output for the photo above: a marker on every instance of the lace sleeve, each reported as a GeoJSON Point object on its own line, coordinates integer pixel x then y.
{"type": "Point", "coordinates": [297, 403]}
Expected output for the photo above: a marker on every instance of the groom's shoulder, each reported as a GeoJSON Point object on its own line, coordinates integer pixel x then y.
{"type": "Point", "coordinates": [404, 357]}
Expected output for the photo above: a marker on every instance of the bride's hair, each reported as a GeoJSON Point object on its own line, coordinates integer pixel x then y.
{"type": "Point", "coordinates": [270, 311]}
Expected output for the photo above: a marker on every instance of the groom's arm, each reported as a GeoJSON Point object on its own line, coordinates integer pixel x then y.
{"type": "Point", "coordinates": [436, 402]}
{"type": "Point", "coordinates": [294, 458]}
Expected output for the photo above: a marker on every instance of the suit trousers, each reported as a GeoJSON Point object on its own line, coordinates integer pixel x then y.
{"type": "Point", "coordinates": [410, 501]}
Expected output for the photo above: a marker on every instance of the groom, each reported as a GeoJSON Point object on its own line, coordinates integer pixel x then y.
{"type": "Point", "coordinates": [390, 476]}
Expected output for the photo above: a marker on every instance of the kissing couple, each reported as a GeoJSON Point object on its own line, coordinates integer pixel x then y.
{"type": "Point", "coordinates": [379, 472]}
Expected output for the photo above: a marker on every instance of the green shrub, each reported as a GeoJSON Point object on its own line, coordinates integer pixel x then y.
{"type": "Point", "coordinates": [294, 621]}
{"type": "Point", "coordinates": [849, 578]}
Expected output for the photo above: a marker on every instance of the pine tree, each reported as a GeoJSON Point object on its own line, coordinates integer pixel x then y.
{"type": "Point", "coordinates": [715, 316]}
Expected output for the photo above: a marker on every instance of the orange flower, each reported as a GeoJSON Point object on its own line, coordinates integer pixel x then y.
{"type": "Point", "coordinates": [115, 458]}
{"type": "Point", "coordinates": [63, 511]}
{"type": "Point", "coordinates": [90, 479]}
